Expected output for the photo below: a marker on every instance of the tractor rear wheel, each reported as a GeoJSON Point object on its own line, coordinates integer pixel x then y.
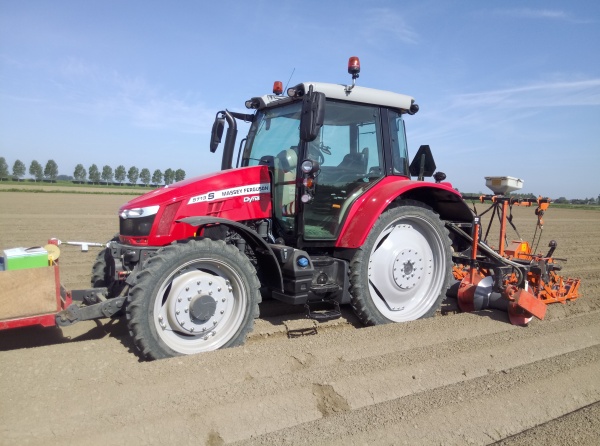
{"type": "Point", "coordinates": [402, 271]}
{"type": "Point", "coordinates": [193, 297]}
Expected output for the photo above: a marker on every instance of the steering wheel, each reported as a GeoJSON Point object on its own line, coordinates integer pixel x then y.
{"type": "Point", "coordinates": [315, 153]}
{"type": "Point", "coordinates": [325, 149]}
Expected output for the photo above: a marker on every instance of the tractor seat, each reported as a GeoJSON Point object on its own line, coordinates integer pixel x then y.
{"type": "Point", "coordinates": [356, 162]}
{"type": "Point", "coordinates": [288, 159]}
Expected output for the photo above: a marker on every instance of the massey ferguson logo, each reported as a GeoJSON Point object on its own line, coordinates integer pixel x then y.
{"type": "Point", "coordinates": [248, 192]}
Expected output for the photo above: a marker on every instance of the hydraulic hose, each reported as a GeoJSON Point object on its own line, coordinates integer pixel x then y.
{"type": "Point", "coordinates": [489, 251]}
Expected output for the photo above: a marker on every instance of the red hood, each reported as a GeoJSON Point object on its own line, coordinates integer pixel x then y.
{"type": "Point", "coordinates": [236, 194]}
{"type": "Point", "coordinates": [198, 185]}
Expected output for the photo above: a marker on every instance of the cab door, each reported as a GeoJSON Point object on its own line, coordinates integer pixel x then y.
{"type": "Point", "coordinates": [349, 151]}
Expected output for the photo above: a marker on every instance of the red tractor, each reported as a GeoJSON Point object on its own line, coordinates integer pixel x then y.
{"type": "Point", "coordinates": [319, 211]}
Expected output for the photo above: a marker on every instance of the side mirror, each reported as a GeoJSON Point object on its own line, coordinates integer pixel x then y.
{"type": "Point", "coordinates": [217, 132]}
{"type": "Point", "coordinates": [422, 164]}
{"type": "Point", "coordinates": [313, 115]}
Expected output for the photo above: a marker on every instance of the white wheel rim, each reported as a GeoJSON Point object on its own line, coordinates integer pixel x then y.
{"type": "Point", "coordinates": [200, 306]}
{"type": "Point", "coordinates": [407, 269]}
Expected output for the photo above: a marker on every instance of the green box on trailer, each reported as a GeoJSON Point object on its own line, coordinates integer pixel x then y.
{"type": "Point", "coordinates": [24, 258]}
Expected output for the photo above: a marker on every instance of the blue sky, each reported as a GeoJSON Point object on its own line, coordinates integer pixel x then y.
{"type": "Point", "coordinates": [506, 88]}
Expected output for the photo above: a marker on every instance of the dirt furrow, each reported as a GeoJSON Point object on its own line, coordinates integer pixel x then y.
{"type": "Point", "coordinates": [452, 379]}
{"type": "Point", "coordinates": [560, 430]}
{"type": "Point", "coordinates": [474, 411]}
{"type": "Point", "coordinates": [292, 382]}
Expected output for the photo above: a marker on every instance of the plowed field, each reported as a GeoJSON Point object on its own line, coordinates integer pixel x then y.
{"type": "Point", "coordinates": [452, 379]}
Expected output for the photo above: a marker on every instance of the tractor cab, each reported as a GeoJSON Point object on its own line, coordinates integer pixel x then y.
{"type": "Point", "coordinates": [325, 145]}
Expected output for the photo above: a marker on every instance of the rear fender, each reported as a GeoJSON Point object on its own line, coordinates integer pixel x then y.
{"type": "Point", "coordinates": [365, 211]}
{"type": "Point", "coordinates": [264, 254]}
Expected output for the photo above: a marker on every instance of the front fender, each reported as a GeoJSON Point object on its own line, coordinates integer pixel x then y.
{"type": "Point", "coordinates": [441, 197]}
{"type": "Point", "coordinates": [264, 254]}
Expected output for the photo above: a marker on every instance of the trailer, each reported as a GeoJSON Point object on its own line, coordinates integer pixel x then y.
{"type": "Point", "coordinates": [31, 297]}
{"type": "Point", "coordinates": [31, 292]}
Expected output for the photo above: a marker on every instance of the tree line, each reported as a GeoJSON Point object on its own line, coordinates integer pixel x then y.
{"type": "Point", "coordinates": [92, 174]}
{"type": "Point", "coordinates": [133, 174]}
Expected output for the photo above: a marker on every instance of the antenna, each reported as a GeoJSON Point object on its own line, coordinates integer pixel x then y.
{"type": "Point", "coordinates": [288, 82]}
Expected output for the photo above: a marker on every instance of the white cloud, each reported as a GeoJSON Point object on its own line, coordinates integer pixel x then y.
{"type": "Point", "coordinates": [545, 94]}
{"type": "Point", "coordinates": [73, 67]}
{"type": "Point", "coordinates": [483, 113]}
{"type": "Point", "coordinates": [85, 89]}
{"type": "Point", "coordinates": [149, 107]}
{"type": "Point", "coordinates": [381, 23]}
{"type": "Point", "coordinates": [549, 14]}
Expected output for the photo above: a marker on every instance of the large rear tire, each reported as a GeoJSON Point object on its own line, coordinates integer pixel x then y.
{"type": "Point", "coordinates": [402, 271]}
{"type": "Point", "coordinates": [191, 298]}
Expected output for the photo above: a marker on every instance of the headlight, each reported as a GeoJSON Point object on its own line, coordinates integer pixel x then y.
{"type": "Point", "coordinates": [138, 221]}
{"type": "Point", "coordinates": [309, 166]}
{"type": "Point", "coordinates": [139, 212]}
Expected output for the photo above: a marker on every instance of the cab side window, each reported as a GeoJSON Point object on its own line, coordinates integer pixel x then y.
{"type": "Point", "coordinates": [399, 149]}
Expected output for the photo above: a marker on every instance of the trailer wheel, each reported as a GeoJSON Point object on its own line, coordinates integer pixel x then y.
{"type": "Point", "coordinates": [191, 298]}
{"type": "Point", "coordinates": [402, 271]}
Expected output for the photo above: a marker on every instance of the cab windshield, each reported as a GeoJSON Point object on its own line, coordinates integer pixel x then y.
{"type": "Point", "coordinates": [273, 139]}
{"type": "Point", "coordinates": [272, 131]}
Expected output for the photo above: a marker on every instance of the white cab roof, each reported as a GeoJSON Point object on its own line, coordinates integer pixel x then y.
{"type": "Point", "coordinates": [361, 94]}
{"type": "Point", "coordinates": [340, 91]}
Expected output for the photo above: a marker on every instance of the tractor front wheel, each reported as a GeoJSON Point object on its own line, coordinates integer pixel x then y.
{"type": "Point", "coordinates": [193, 297]}
{"type": "Point", "coordinates": [103, 272]}
{"type": "Point", "coordinates": [402, 271]}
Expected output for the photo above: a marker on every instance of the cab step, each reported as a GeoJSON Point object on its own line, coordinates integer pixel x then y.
{"type": "Point", "coordinates": [323, 310]}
